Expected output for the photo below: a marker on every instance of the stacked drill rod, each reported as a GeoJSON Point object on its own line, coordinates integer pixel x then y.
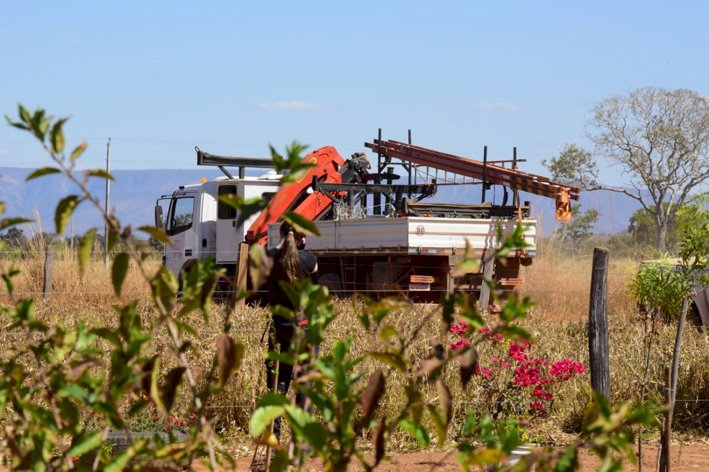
{"type": "Point", "coordinates": [489, 174]}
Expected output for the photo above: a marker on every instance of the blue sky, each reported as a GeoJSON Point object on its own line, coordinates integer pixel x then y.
{"type": "Point", "coordinates": [231, 77]}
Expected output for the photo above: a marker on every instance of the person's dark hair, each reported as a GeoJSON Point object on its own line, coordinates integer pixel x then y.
{"type": "Point", "coordinates": [289, 250]}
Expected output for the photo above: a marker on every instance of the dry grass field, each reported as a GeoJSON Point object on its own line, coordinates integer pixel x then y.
{"type": "Point", "coordinates": [558, 285]}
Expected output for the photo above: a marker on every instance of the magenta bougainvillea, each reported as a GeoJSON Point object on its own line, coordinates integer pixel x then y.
{"type": "Point", "coordinates": [516, 381]}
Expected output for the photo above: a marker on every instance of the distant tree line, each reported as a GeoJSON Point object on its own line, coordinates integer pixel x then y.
{"type": "Point", "coordinates": [17, 242]}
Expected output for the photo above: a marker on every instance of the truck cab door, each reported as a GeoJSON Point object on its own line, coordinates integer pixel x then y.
{"type": "Point", "coordinates": [181, 229]}
{"type": "Point", "coordinates": [228, 235]}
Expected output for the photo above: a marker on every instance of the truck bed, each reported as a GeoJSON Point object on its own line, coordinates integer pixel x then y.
{"type": "Point", "coordinates": [411, 235]}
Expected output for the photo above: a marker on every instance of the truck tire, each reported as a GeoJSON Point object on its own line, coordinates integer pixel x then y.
{"type": "Point", "coordinates": [333, 282]}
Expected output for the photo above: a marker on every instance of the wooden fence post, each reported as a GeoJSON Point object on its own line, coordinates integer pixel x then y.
{"type": "Point", "coordinates": [241, 272]}
{"type": "Point", "coordinates": [598, 324]}
{"type": "Point", "coordinates": [664, 452]}
{"type": "Point", "coordinates": [489, 264]}
{"type": "Point", "coordinates": [48, 262]}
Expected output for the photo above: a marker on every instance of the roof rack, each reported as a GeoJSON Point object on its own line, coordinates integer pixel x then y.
{"type": "Point", "coordinates": [207, 159]}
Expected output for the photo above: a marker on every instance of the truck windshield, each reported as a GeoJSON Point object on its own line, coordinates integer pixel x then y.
{"type": "Point", "coordinates": [181, 215]}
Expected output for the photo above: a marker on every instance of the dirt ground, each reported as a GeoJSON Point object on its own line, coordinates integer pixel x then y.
{"type": "Point", "coordinates": [685, 458]}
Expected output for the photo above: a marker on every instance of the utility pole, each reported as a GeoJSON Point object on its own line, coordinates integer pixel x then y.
{"type": "Point", "coordinates": [71, 239]}
{"type": "Point", "coordinates": [106, 203]}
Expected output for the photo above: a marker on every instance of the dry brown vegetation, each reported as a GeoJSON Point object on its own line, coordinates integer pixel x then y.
{"type": "Point", "coordinates": [558, 285]}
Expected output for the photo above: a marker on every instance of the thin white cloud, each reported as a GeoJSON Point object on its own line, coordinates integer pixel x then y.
{"type": "Point", "coordinates": [496, 106]}
{"type": "Point", "coordinates": [290, 105]}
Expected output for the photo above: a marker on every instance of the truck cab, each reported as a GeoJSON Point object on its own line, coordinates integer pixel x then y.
{"type": "Point", "coordinates": [200, 226]}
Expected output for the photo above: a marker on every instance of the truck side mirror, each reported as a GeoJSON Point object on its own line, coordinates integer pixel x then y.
{"type": "Point", "coordinates": [158, 217]}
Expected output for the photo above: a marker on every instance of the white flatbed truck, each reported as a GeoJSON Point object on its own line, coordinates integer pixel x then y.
{"type": "Point", "coordinates": [375, 236]}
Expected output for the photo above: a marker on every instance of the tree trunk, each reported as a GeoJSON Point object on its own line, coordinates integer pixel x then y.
{"type": "Point", "coordinates": [662, 236]}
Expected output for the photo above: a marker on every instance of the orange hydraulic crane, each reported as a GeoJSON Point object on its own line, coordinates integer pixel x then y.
{"type": "Point", "coordinates": [328, 168]}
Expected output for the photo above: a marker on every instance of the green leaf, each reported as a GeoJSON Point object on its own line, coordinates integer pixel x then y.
{"type": "Point", "coordinates": [415, 430]}
{"type": "Point", "coordinates": [85, 246]}
{"type": "Point", "coordinates": [98, 173]}
{"type": "Point", "coordinates": [306, 427]}
{"type": "Point", "coordinates": [301, 224]}
{"type": "Point", "coordinates": [113, 238]}
{"type": "Point", "coordinates": [42, 171]}
{"type": "Point", "coordinates": [78, 151]}
{"type": "Point", "coordinates": [387, 332]}
{"type": "Point", "coordinates": [16, 124]}
{"type": "Point", "coordinates": [72, 391]}
{"type": "Point", "coordinates": [24, 113]}
{"type": "Point", "coordinates": [165, 286]}
{"type": "Point", "coordinates": [108, 335]}
{"type": "Point", "coordinates": [64, 210]}
{"type": "Point", "coordinates": [155, 386]}
{"type": "Point", "coordinates": [119, 271]}
{"type": "Point", "coordinates": [87, 443]}
{"type": "Point", "coordinates": [7, 222]}
{"type": "Point", "coordinates": [568, 461]}
{"type": "Point", "coordinates": [439, 424]}
{"type": "Point", "coordinates": [56, 136]}
{"type": "Point", "coordinates": [466, 266]}
{"type": "Point", "coordinates": [272, 399]}
{"type": "Point", "coordinates": [262, 417]}
{"type": "Point", "coordinates": [39, 123]}
{"type": "Point", "coordinates": [156, 233]}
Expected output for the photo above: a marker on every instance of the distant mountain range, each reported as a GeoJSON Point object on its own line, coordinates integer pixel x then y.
{"type": "Point", "coordinates": [134, 192]}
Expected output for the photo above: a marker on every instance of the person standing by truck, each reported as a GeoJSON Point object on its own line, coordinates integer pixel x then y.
{"type": "Point", "coordinates": [291, 262]}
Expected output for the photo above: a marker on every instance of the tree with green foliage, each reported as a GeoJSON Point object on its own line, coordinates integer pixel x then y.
{"type": "Point", "coordinates": [580, 228]}
{"type": "Point", "coordinates": [660, 140]}
{"type": "Point", "coordinates": [573, 166]}
{"type": "Point", "coordinates": [14, 237]}
{"type": "Point", "coordinates": [643, 230]}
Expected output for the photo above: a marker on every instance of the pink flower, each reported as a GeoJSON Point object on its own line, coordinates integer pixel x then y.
{"type": "Point", "coordinates": [539, 392]}
{"type": "Point", "coordinates": [484, 372]}
{"type": "Point", "coordinates": [566, 369]}
{"type": "Point", "coordinates": [526, 375]}
{"type": "Point", "coordinates": [518, 351]}
{"type": "Point", "coordinates": [459, 329]}
{"type": "Point", "coordinates": [460, 344]}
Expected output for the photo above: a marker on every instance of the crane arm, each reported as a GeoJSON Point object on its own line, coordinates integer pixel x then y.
{"type": "Point", "coordinates": [328, 167]}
